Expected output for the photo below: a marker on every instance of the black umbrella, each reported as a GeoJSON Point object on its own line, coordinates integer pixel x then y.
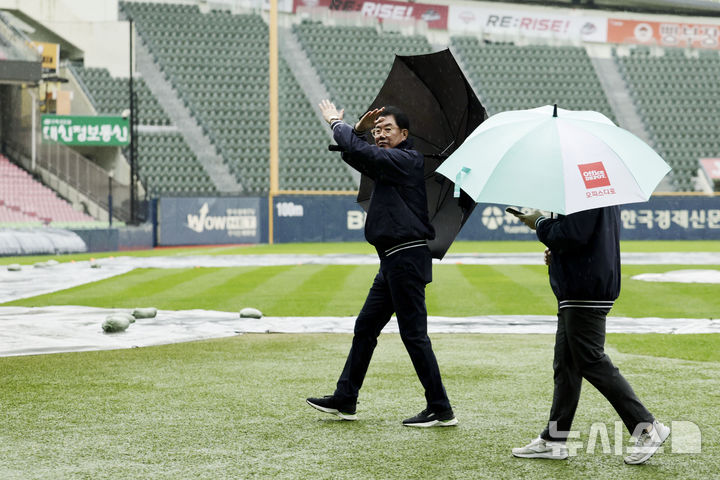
{"type": "Point", "coordinates": [443, 110]}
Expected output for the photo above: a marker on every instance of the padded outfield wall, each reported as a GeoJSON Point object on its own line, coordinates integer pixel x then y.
{"type": "Point", "coordinates": [338, 218]}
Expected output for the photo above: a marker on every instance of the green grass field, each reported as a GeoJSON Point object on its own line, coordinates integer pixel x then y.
{"type": "Point", "coordinates": [234, 407]}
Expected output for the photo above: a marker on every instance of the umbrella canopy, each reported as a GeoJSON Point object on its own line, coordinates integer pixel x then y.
{"type": "Point", "coordinates": [443, 110]}
{"type": "Point", "coordinates": [556, 160]}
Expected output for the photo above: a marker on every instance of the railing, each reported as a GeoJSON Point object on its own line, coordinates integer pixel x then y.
{"type": "Point", "coordinates": [86, 177]}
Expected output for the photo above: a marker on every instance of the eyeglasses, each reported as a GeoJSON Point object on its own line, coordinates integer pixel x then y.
{"type": "Point", "coordinates": [377, 131]}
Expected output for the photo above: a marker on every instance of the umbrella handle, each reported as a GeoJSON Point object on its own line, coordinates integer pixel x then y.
{"type": "Point", "coordinates": [458, 180]}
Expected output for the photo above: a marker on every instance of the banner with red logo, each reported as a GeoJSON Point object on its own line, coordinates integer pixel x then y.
{"type": "Point", "coordinates": [711, 167]}
{"type": "Point", "coordinates": [527, 23]}
{"type": "Point", "coordinates": [665, 34]}
{"type": "Point", "coordinates": [436, 16]}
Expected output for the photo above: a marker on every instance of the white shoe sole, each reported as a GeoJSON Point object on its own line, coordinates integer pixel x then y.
{"type": "Point", "coordinates": [433, 423]}
{"type": "Point", "coordinates": [545, 455]}
{"type": "Point", "coordinates": [650, 453]}
{"type": "Point", "coordinates": [334, 411]}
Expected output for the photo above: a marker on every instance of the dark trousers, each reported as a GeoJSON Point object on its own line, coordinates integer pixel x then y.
{"type": "Point", "coordinates": [399, 288]}
{"type": "Point", "coordinates": [580, 353]}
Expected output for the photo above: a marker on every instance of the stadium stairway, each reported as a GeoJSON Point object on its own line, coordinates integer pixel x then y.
{"type": "Point", "coordinates": [186, 124]}
{"type": "Point", "coordinates": [308, 80]}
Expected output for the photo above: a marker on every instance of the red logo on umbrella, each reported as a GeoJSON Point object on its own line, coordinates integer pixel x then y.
{"type": "Point", "coordinates": [594, 175]}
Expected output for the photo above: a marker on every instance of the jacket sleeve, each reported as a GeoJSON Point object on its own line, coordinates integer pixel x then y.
{"type": "Point", "coordinates": [570, 232]}
{"type": "Point", "coordinates": [391, 165]}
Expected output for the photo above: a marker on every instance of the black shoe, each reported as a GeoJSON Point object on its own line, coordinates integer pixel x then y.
{"type": "Point", "coordinates": [428, 418]}
{"type": "Point", "coordinates": [344, 409]}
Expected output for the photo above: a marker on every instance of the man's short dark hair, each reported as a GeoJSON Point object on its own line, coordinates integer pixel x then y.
{"type": "Point", "coordinates": [401, 119]}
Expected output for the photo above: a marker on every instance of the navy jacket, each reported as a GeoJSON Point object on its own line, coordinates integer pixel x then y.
{"type": "Point", "coordinates": [398, 206]}
{"type": "Point", "coordinates": [585, 264]}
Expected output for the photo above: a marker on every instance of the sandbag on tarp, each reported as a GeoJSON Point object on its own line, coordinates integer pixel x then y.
{"type": "Point", "coordinates": [249, 312]}
{"type": "Point", "coordinates": [39, 241]}
{"type": "Point", "coordinates": [149, 312]}
{"type": "Point", "coordinates": [127, 315]}
{"type": "Point", "coordinates": [115, 323]}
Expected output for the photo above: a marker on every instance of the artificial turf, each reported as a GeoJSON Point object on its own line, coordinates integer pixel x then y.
{"type": "Point", "coordinates": [234, 408]}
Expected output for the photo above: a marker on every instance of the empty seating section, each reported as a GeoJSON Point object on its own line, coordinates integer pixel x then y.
{"type": "Point", "coordinates": [166, 165]}
{"type": "Point", "coordinates": [512, 77]}
{"type": "Point", "coordinates": [218, 63]}
{"type": "Point", "coordinates": [353, 62]}
{"type": "Point", "coordinates": [111, 95]}
{"type": "Point", "coordinates": [24, 200]}
{"type": "Point", "coordinates": [677, 94]}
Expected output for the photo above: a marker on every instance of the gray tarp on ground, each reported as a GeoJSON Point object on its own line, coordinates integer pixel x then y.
{"type": "Point", "coordinates": [29, 331]}
{"type": "Point", "coordinates": [39, 241]}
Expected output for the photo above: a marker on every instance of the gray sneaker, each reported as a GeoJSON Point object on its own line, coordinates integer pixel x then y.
{"type": "Point", "coordinates": [647, 444]}
{"type": "Point", "coordinates": [541, 448]}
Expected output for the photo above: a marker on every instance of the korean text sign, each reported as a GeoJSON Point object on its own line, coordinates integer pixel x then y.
{"type": "Point", "coordinates": [86, 130]}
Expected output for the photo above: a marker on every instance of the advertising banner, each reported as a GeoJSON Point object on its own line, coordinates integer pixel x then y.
{"type": "Point", "coordinates": [338, 218]}
{"type": "Point", "coordinates": [333, 218]}
{"type": "Point", "coordinates": [208, 221]}
{"type": "Point", "coordinates": [666, 34]}
{"type": "Point", "coordinates": [436, 16]}
{"type": "Point", "coordinates": [318, 218]}
{"type": "Point", "coordinates": [464, 18]}
{"type": "Point", "coordinates": [711, 167]}
{"type": "Point", "coordinates": [85, 130]}
{"type": "Point", "coordinates": [661, 218]}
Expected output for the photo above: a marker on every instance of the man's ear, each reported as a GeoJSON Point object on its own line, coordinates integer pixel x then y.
{"type": "Point", "coordinates": [405, 133]}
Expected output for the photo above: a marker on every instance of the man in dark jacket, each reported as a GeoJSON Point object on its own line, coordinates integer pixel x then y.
{"type": "Point", "coordinates": [583, 256]}
{"type": "Point", "coordinates": [397, 226]}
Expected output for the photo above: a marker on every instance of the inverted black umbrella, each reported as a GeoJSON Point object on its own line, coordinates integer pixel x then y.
{"type": "Point", "coordinates": [443, 110]}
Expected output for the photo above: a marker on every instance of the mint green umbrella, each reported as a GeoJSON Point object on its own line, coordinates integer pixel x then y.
{"type": "Point", "coordinates": [556, 160]}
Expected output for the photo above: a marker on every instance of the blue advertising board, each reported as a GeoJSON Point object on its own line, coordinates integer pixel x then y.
{"type": "Point", "coordinates": [317, 218]}
{"type": "Point", "coordinates": [672, 218]}
{"type": "Point", "coordinates": [209, 221]}
{"type": "Point", "coordinates": [338, 218]}
{"type": "Point", "coordinates": [660, 218]}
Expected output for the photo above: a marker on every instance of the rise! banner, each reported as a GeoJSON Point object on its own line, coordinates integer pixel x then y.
{"type": "Point", "coordinates": [436, 16]}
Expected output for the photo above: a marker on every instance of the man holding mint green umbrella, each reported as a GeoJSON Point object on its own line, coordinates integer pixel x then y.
{"type": "Point", "coordinates": [583, 258]}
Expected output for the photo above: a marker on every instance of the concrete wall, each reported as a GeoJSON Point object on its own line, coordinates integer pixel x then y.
{"type": "Point", "coordinates": [91, 25]}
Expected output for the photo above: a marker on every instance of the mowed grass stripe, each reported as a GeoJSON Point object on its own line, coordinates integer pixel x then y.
{"type": "Point", "coordinates": [507, 290]}
{"type": "Point", "coordinates": [352, 283]}
{"type": "Point", "coordinates": [120, 291]}
{"type": "Point", "coordinates": [210, 288]}
{"type": "Point", "coordinates": [679, 300]}
{"type": "Point", "coordinates": [452, 286]}
{"type": "Point", "coordinates": [525, 288]}
{"type": "Point", "coordinates": [285, 295]}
